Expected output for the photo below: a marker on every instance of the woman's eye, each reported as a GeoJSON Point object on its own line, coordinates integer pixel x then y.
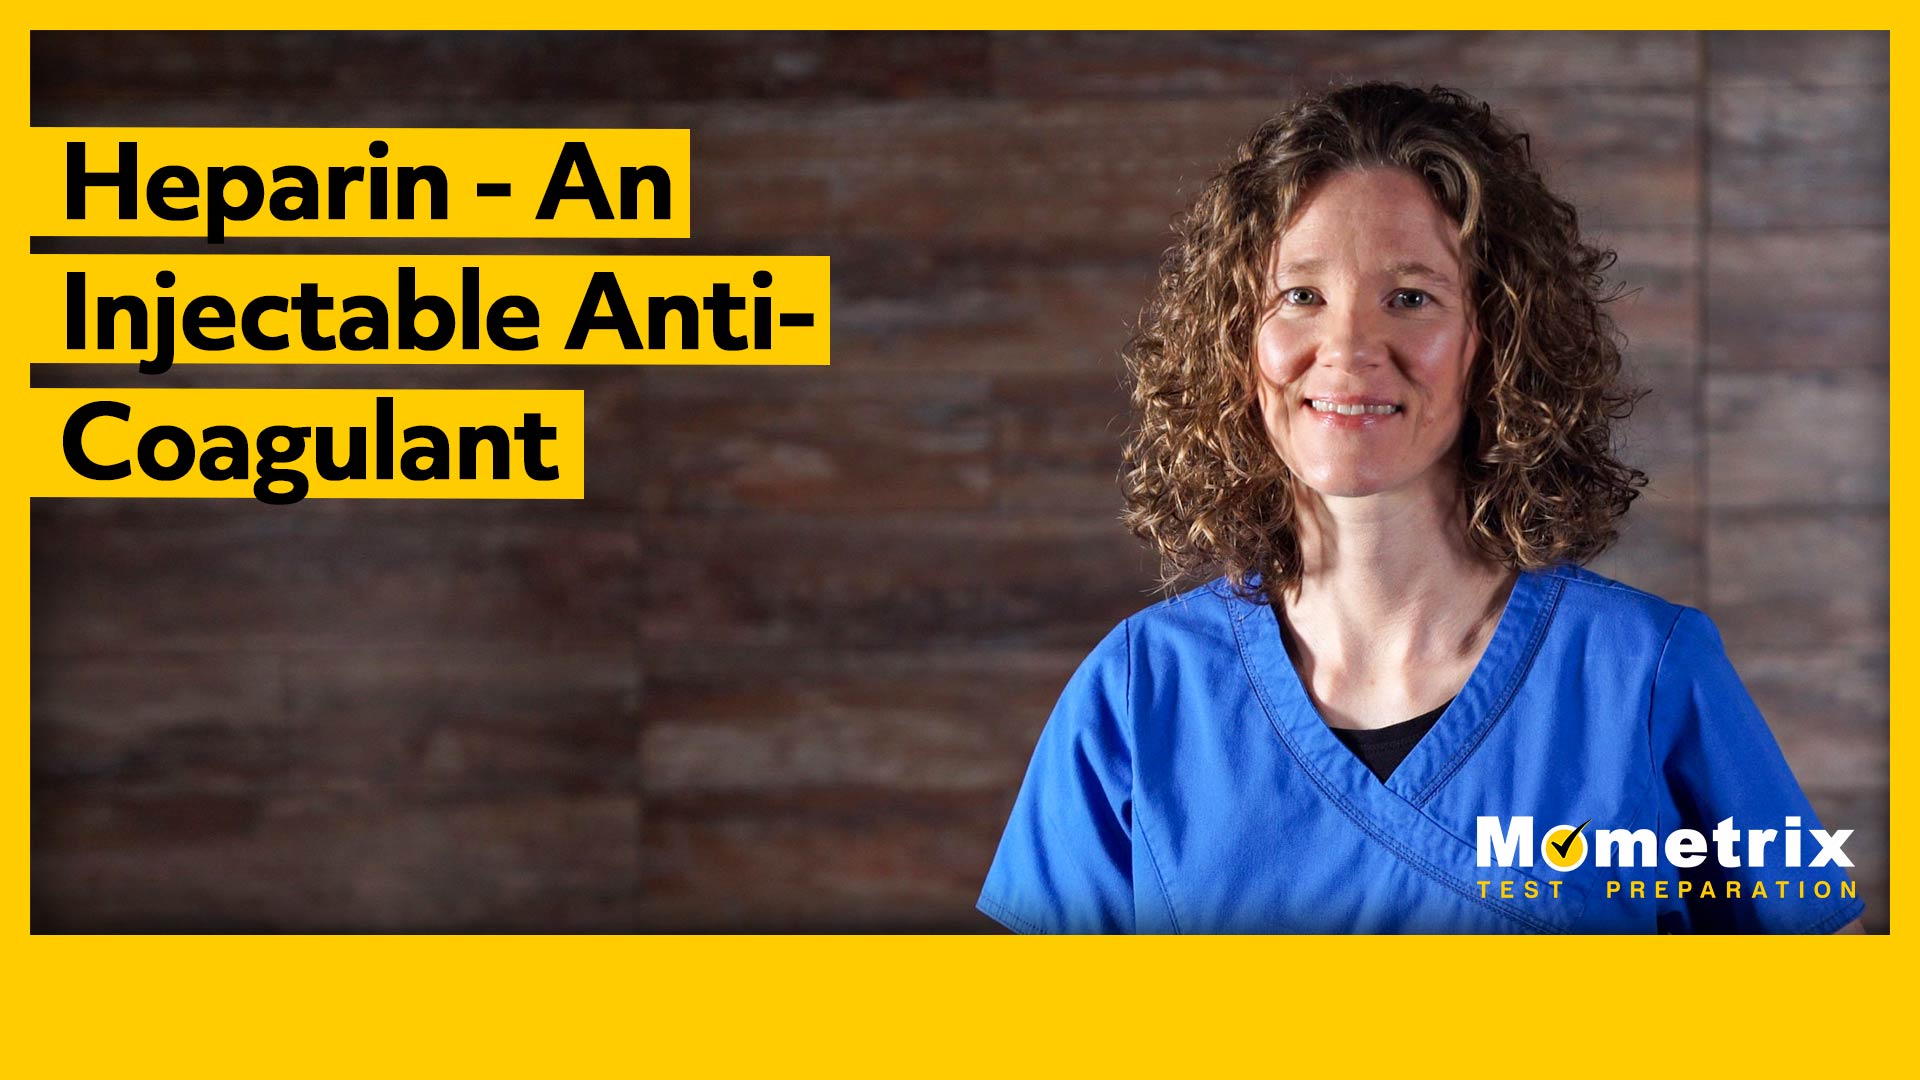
{"type": "Point", "coordinates": [1299, 295]}
{"type": "Point", "coordinates": [1412, 298]}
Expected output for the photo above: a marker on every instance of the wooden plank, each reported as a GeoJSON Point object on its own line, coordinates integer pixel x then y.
{"type": "Point", "coordinates": [1058, 441]}
{"type": "Point", "coordinates": [536, 575]}
{"type": "Point", "coordinates": [1798, 578]}
{"type": "Point", "coordinates": [926, 582]}
{"type": "Point", "coordinates": [1624, 159]}
{"type": "Point", "coordinates": [289, 68]}
{"type": "Point", "coordinates": [1828, 709]}
{"type": "Point", "coordinates": [544, 863]}
{"type": "Point", "coordinates": [1107, 176]}
{"type": "Point", "coordinates": [837, 441]}
{"type": "Point", "coordinates": [916, 306]}
{"type": "Point", "coordinates": [844, 859]}
{"type": "Point", "coordinates": [1017, 175]}
{"type": "Point", "coordinates": [395, 727]}
{"type": "Point", "coordinates": [1797, 298]}
{"type": "Point", "coordinates": [1101, 64]}
{"type": "Point", "coordinates": [207, 721]}
{"type": "Point", "coordinates": [945, 720]}
{"type": "Point", "coordinates": [1791, 158]}
{"type": "Point", "coordinates": [1797, 58]}
{"type": "Point", "coordinates": [1797, 438]}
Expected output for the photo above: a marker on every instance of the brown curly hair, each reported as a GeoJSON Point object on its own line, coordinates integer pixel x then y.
{"type": "Point", "coordinates": [1203, 482]}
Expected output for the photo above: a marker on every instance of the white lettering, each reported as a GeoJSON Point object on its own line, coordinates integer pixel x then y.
{"type": "Point", "coordinates": [1635, 847]}
{"type": "Point", "coordinates": [1491, 844]}
{"type": "Point", "coordinates": [1725, 836]}
{"type": "Point", "coordinates": [1830, 847]}
{"type": "Point", "coordinates": [1686, 847]}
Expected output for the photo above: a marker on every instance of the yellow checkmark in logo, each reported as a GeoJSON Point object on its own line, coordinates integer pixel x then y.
{"type": "Point", "coordinates": [1565, 846]}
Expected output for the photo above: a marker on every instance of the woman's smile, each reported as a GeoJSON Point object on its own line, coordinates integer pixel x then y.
{"type": "Point", "coordinates": [1350, 412]}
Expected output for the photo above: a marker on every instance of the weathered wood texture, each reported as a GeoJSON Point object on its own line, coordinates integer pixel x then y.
{"type": "Point", "coordinates": [783, 667]}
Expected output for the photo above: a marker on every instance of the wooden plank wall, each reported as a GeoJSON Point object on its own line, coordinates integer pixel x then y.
{"type": "Point", "coordinates": [781, 670]}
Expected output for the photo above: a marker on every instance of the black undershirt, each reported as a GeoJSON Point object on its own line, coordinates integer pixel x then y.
{"type": "Point", "coordinates": [1381, 750]}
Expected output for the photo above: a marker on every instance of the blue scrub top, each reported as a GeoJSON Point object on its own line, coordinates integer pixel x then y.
{"type": "Point", "coordinates": [1186, 783]}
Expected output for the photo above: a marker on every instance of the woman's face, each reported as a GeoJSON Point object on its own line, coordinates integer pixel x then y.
{"type": "Point", "coordinates": [1364, 351]}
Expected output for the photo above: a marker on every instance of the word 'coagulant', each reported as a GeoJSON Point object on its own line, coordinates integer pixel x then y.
{"type": "Point", "coordinates": [167, 452]}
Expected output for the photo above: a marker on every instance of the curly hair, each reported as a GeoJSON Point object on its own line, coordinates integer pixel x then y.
{"type": "Point", "coordinates": [1203, 483]}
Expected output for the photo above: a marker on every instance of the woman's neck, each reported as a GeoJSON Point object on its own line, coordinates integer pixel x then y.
{"type": "Point", "coordinates": [1392, 595]}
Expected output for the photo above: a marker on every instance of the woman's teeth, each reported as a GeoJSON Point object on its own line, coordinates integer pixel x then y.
{"type": "Point", "coordinates": [1352, 410]}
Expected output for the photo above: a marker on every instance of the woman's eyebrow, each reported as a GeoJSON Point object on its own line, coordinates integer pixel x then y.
{"type": "Point", "coordinates": [1405, 268]}
{"type": "Point", "coordinates": [1418, 269]}
{"type": "Point", "coordinates": [1299, 266]}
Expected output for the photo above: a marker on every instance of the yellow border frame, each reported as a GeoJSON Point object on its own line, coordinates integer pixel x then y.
{"type": "Point", "coordinates": [141, 1005]}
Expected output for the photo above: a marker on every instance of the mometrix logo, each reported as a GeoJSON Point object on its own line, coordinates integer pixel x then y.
{"type": "Point", "coordinates": [1566, 847]}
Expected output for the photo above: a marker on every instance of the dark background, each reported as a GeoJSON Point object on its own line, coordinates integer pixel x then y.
{"type": "Point", "coordinates": [783, 667]}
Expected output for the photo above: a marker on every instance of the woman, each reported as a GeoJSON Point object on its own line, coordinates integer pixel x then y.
{"type": "Point", "coordinates": [1375, 392]}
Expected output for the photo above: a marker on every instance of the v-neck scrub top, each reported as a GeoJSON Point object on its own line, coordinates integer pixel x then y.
{"type": "Point", "coordinates": [1185, 783]}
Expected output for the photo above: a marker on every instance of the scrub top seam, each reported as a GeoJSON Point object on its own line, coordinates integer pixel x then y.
{"type": "Point", "coordinates": [1521, 667]}
{"type": "Point", "coordinates": [1653, 696]}
{"type": "Point", "coordinates": [1153, 861]}
{"type": "Point", "coordinates": [1005, 914]}
{"type": "Point", "coordinates": [1133, 785]}
{"type": "Point", "coordinates": [1380, 837]}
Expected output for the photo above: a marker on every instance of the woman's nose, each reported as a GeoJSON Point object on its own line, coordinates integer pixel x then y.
{"type": "Point", "coordinates": [1352, 339]}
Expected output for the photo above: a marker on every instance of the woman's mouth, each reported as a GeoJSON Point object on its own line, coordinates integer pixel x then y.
{"type": "Point", "coordinates": [1329, 407]}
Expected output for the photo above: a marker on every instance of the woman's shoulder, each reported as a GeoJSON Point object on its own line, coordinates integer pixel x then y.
{"type": "Point", "coordinates": [1584, 591]}
{"type": "Point", "coordinates": [1625, 617]}
{"type": "Point", "coordinates": [1208, 609]}
{"type": "Point", "coordinates": [1198, 620]}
